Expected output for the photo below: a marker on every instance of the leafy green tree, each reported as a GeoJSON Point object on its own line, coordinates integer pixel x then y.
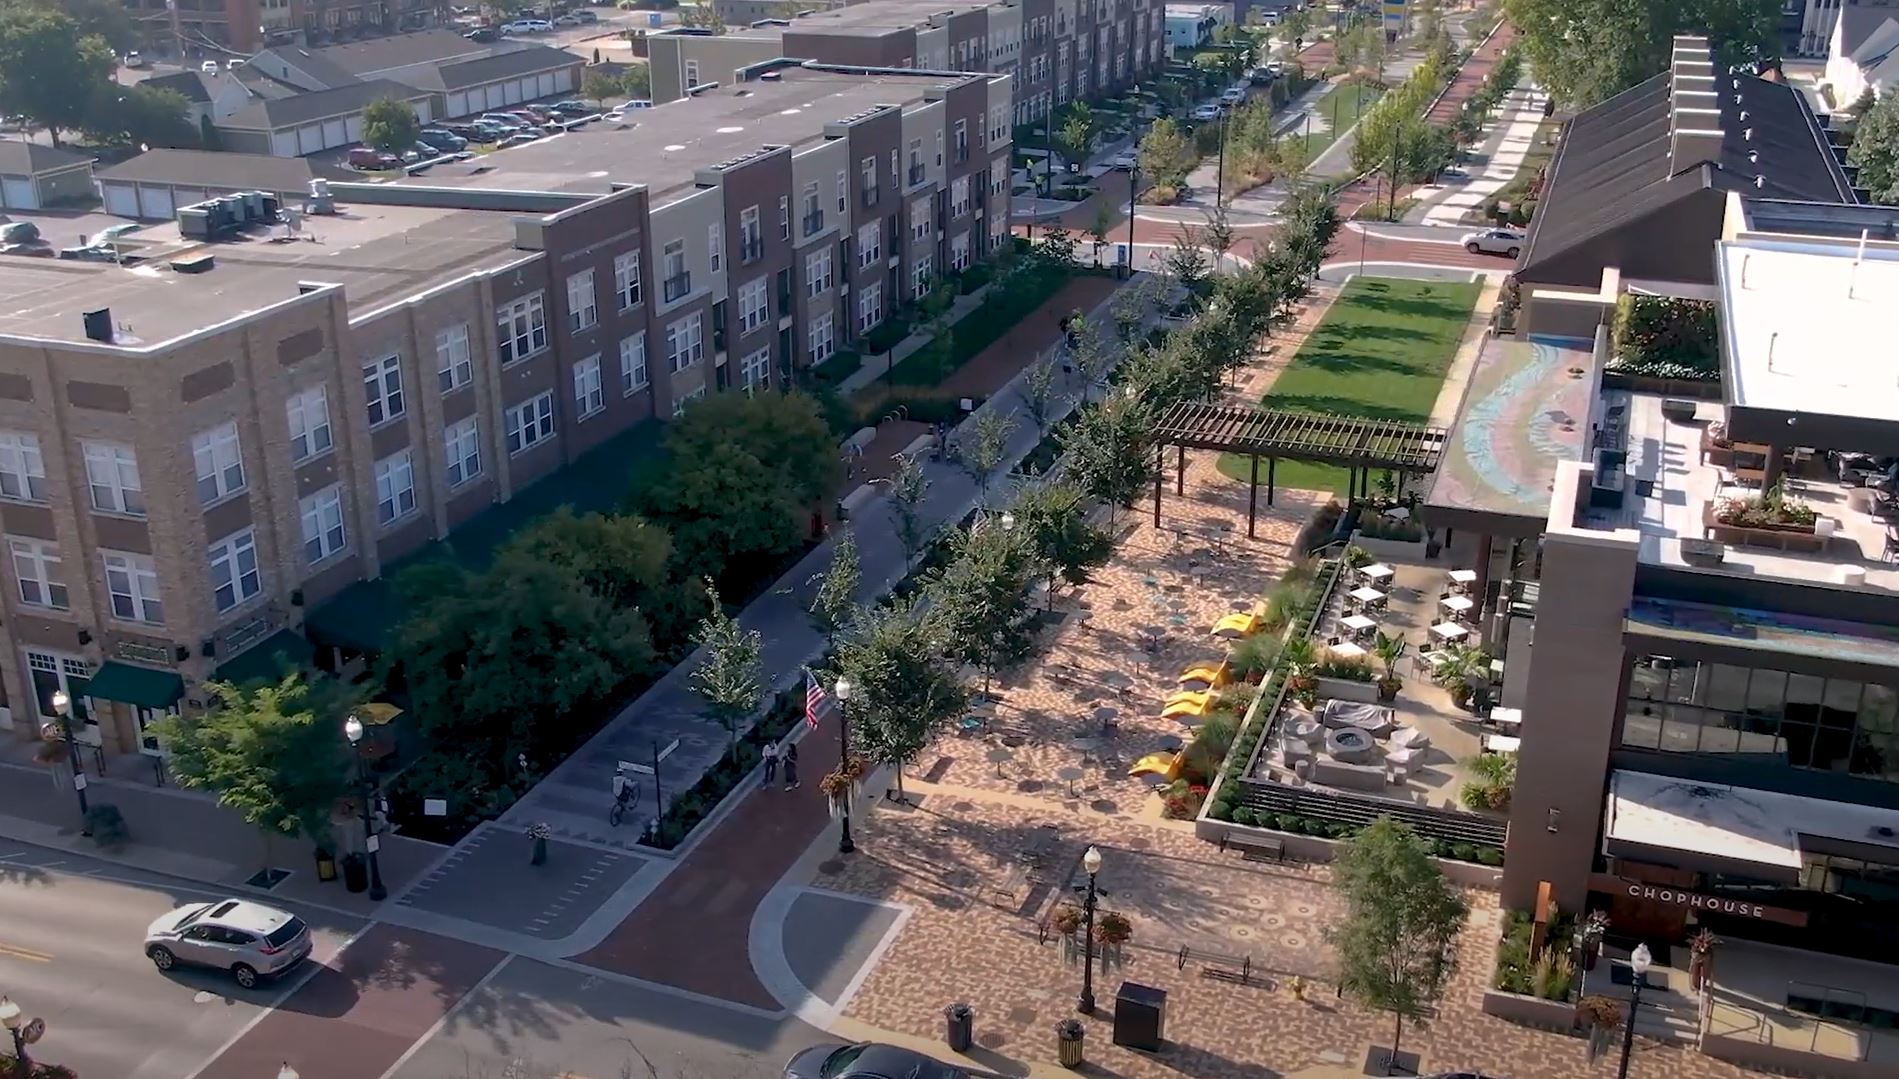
{"type": "Point", "coordinates": [729, 516]}
{"type": "Point", "coordinates": [598, 85]}
{"type": "Point", "coordinates": [1395, 946]}
{"type": "Point", "coordinates": [906, 694]}
{"type": "Point", "coordinates": [1875, 150]}
{"type": "Point", "coordinates": [1296, 25]}
{"type": "Point", "coordinates": [701, 16]}
{"type": "Point", "coordinates": [50, 72]}
{"type": "Point", "coordinates": [275, 753]}
{"type": "Point", "coordinates": [1077, 132]}
{"type": "Point", "coordinates": [1187, 259]}
{"type": "Point", "coordinates": [1585, 51]}
{"type": "Point", "coordinates": [908, 487]}
{"type": "Point", "coordinates": [1107, 449]}
{"type": "Point", "coordinates": [1218, 234]}
{"type": "Point", "coordinates": [834, 603]}
{"type": "Point", "coordinates": [625, 560]}
{"type": "Point", "coordinates": [637, 81]}
{"type": "Point", "coordinates": [730, 675]}
{"type": "Point", "coordinates": [1054, 518]}
{"type": "Point", "coordinates": [1038, 389]}
{"type": "Point", "coordinates": [988, 447]}
{"type": "Point", "coordinates": [390, 125]}
{"type": "Point", "coordinates": [142, 115]}
{"type": "Point", "coordinates": [982, 596]}
{"type": "Point", "coordinates": [785, 430]}
{"type": "Point", "coordinates": [1166, 153]}
{"type": "Point", "coordinates": [1098, 229]}
{"type": "Point", "coordinates": [108, 20]}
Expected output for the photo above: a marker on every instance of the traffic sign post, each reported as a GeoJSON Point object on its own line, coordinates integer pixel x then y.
{"type": "Point", "coordinates": [660, 753]}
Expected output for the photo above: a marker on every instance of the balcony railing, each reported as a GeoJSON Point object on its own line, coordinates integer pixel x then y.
{"type": "Point", "coordinates": [868, 196]}
{"type": "Point", "coordinates": [678, 285]}
{"type": "Point", "coordinates": [814, 222]}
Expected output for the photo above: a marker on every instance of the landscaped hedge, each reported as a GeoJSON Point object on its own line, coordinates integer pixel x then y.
{"type": "Point", "coordinates": [1664, 337]}
{"type": "Point", "coordinates": [1296, 824]}
{"type": "Point", "coordinates": [998, 313]}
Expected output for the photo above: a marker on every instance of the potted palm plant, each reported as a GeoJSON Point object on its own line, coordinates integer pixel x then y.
{"type": "Point", "coordinates": [1389, 648]}
{"type": "Point", "coordinates": [1300, 656]}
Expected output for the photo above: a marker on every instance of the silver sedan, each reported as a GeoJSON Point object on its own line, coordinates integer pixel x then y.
{"type": "Point", "coordinates": [1506, 242]}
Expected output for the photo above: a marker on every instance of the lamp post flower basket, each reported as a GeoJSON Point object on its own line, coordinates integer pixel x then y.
{"type": "Point", "coordinates": [1701, 966]}
{"type": "Point", "coordinates": [539, 833]}
{"type": "Point", "coordinates": [1112, 931]}
{"type": "Point", "coordinates": [843, 783]}
{"type": "Point", "coordinates": [1600, 1017]}
{"type": "Point", "coordinates": [1066, 923]}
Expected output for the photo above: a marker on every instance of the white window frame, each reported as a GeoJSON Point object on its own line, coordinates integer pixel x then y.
{"type": "Point", "coordinates": [920, 277]}
{"type": "Point", "coordinates": [454, 363]}
{"type": "Point", "coordinates": [685, 343]}
{"type": "Point", "coordinates": [753, 306]}
{"type": "Point", "coordinates": [382, 386]}
{"type": "Point", "coordinates": [521, 329]}
{"type": "Point", "coordinates": [40, 573]}
{"type": "Point", "coordinates": [784, 217]}
{"type": "Point", "coordinates": [755, 371]}
{"type": "Point", "coordinates": [870, 307]}
{"type": "Point", "coordinates": [870, 244]}
{"type": "Point", "coordinates": [959, 196]}
{"type": "Point", "coordinates": [750, 233]}
{"type": "Point", "coordinates": [132, 579]}
{"type": "Point", "coordinates": [959, 252]}
{"type": "Point", "coordinates": [589, 396]}
{"type": "Point", "coordinates": [218, 457]}
{"type": "Point", "coordinates": [583, 310]}
{"type": "Point", "coordinates": [715, 247]}
{"type": "Point", "coordinates": [634, 376]}
{"type": "Point", "coordinates": [235, 557]}
{"type": "Point", "coordinates": [817, 273]}
{"type": "Point", "coordinates": [530, 423]}
{"type": "Point", "coordinates": [626, 279]}
{"type": "Point", "coordinates": [22, 467]}
{"type": "Point", "coordinates": [821, 339]}
{"type": "Point", "coordinates": [843, 193]}
{"type": "Point", "coordinates": [680, 403]}
{"type": "Point", "coordinates": [395, 487]}
{"type": "Point", "coordinates": [321, 515]}
{"type": "Point", "coordinates": [461, 448]}
{"type": "Point", "coordinates": [920, 220]}
{"type": "Point", "coordinates": [112, 476]}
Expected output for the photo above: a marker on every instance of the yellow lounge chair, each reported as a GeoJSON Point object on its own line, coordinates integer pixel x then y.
{"type": "Point", "coordinates": [1211, 673]}
{"type": "Point", "coordinates": [1237, 624]}
{"type": "Point", "coordinates": [1198, 696]}
{"type": "Point", "coordinates": [1155, 764]}
{"type": "Point", "coordinates": [1177, 709]}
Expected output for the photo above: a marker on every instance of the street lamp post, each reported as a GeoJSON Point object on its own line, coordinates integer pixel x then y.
{"type": "Point", "coordinates": [845, 691]}
{"type": "Point", "coordinates": [1134, 188]}
{"type": "Point", "coordinates": [63, 707]}
{"type": "Point", "coordinates": [287, 1072]}
{"type": "Point", "coordinates": [353, 730]}
{"type": "Point", "coordinates": [1091, 862]}
{"type": "Point", "coordinates": [1639, 961]}
{"type": "Point", "coordinates": [24, 1031]}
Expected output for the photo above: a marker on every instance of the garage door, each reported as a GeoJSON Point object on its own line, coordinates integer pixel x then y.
{"type": "Point", "coordinates": [310, 139]}
{"type": "Point", "coordinates": [18, 194]}
{"type": "Point", "coordinates": [510, 92]}
{"type": "Point", "coordinates": [458, 104]}
{"type": "Point", "coordinates": [546, 84]}
{"type": "Point", "coordinates": [188, 196]}
{"type": "Point", "coordinates": [353, 128]}
{"type": "Point", "coordinates": [284, 143]}
{"type": "Point", "coordinates": [334, 134]}
{"type": "Point", "coordinates": [564, 80]}
{"type": "Point", "coordinates": [121, 200]}
{"type": "Point", "coordinates": [425, 111]}
{"type": "Point", "coordinates": [154, 202]}
{"type": "Point", "coordinates": [528, 89]}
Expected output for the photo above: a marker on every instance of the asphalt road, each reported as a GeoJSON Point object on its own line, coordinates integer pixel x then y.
{"type": "Point", "coordinates": [71, 930]}
{"type": "Point", "coordinates": [534, 1020]}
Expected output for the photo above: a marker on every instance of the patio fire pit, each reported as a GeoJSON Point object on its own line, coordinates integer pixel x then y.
{"type": "Point", "coordinates": [1349, 744]}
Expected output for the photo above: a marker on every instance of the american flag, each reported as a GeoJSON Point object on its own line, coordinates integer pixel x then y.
{"type": "Point", "coordinates": [817, 703]}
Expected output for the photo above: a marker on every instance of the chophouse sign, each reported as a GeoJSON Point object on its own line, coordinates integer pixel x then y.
{"type": "Point", "coordinates": [1681, 897]}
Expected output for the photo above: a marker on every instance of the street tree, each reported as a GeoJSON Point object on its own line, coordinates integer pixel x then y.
{"type": "Point", "coordinates": [730, 517]}
{"type": "Point", "coordinates": [142, 116]}
{"type": "Point", "coordinates": [982, 596]}
{"type": "Point", "coordinates": [390, 125]}
{"type": "Point", "coordinates": [1395, 945]}
{"type": "Point", "coordinates": [597, 85]}
{"type": "Point", "coordinates": [1076, 134]}
{"type": "Point", "coordinates": [908, 487]}
{"type": "Point", "coordinates": [1054, 517]}
{"type": "Point", "coordinates": [701, 16]}
{"type": "Point", "coordinates": [626, 561]}
{"type": "Point", "coordinates": [50, 72]}
{"type": "Point", "coordinates": [1166, 153]}
{"type": "Point", "coordinates": [906, 694]}
{"type": "Point", "coordinates": [273, 752]}
{"type": "Point", "coordinates": [1098, 229]}
{"type": "Point", "coordinates": [1585, 51]}
{"type": "Point", "coordinates": [1218, 235]}
{"type": "Point", "coordinates": [1187, 260]}
{"type": "Point", "coordinates": [1107, 450]}
{"type": "Point", "coordinates": [730, 675]}
{"type": "Point", "coordinates": [988, 446]}
{"type": "Point", "coordinates": [1038, 389]}
{"type": "Point", "coordinates": [636, 81]}
{"type": "Point", "coordinates": [834, 602]}
{"type": "Point", "coordinates": [1875, 150]}
{"type": "Point", "coordinates": [1092, 355]}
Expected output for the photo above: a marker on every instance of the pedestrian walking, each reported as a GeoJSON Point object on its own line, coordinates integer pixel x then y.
{"type": "Point", "coordinates": [790, 760]}
{"type": "Point", "coordinates": [771, 762]}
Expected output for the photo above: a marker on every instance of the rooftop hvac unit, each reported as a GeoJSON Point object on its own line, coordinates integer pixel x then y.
{"type": "Point", "coordinates": [194, 223]}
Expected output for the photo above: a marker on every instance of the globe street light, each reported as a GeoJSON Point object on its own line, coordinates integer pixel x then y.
{"type": "Point", "coordinates": [287, 1072]}
{"type": "Point", "coordinates": [1091, 862]}
{"type": "Point", "coordinates": [845, 690]}
{"type": "Point", "coordinates": [63, 707]}
{"type": "Point", "coordinates": [1639, 961]}
{"type": "Point", "coordinates": [23, 1032]}
{"type": "Point", "coordinates": [353, 730]}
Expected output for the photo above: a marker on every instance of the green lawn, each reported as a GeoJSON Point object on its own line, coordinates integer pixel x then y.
{"type": "Point", "coordinates": [1346, 101]}
{"type": "Point", "coordinates": [1380, 353]}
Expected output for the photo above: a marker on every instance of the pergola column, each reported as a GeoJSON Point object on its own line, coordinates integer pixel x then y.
{"type": "Point", "coordinates": [1252, 496]}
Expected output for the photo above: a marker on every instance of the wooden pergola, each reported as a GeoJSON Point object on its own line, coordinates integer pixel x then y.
{"type": "Point", "coordinates": [1361, 445]}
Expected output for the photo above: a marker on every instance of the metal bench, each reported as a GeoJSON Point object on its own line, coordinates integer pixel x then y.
{"type": "Point", "coordinates": [1254, 848]}
{"type": "Point", "coordinates": [1220, 966]}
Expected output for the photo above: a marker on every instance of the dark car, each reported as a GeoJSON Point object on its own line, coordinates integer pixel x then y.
{"type": "Point", "coordinates": [483, 34]}
{"type": "Point", "coordinates": [442, 139]}
{"type": "Point", "coordinates": [571, 109]}
{"type": "Point", "coordinates": [868, 1060]}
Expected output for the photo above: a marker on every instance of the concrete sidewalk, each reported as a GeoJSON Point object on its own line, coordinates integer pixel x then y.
{"type": "Point", "coordinates": [1506, 146]}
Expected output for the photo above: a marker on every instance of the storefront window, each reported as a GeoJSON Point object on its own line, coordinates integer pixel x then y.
{"type": "Point", "coordinates": [1836, 725]}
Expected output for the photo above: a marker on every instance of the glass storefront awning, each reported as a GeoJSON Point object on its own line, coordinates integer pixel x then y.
{"type": "Point", "coordinates": [143, 687]}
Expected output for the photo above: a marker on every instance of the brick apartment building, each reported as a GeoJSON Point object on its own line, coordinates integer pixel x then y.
{"type": "Point", "coordinates": [214, 449]}
{"type": "Point", "coordinates": [243, 26]}
{"type": "Point", "coordinates": [1056, 50]}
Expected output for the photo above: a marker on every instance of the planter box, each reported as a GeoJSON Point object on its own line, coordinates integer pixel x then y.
{"type": "Point", "coordinates": [1306, 848]}
{"type": "Point", "coordinates": [1553, 1015]}
{"type": "Point", "coordinates": [1784, 537]}
{"type": "Point", "coordinates": [1345, 689]}
{"type": "Point", "coordinates": [1699, 389]}
{"type": "Point", "coordinates": [1392, 550]}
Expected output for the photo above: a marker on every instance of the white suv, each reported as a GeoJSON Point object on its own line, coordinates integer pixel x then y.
{"type": "Point", "coordinates": [248, 939]}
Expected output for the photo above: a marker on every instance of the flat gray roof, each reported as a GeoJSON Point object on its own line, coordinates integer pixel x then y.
{"type": "Point", "coordinates": [878, 16]}
{"type": "Point", "coordinates": [382, 253]}
{"type": "Point", "coordinates": [662, 147]}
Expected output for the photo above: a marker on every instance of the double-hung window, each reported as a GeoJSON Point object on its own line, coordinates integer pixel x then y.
{"type": "Point", "coordinates": [132, 584]}
{"type": "Point", "coordinates": [751, 240]}
{"type": "Point", "coordinates": [821, 342]}
{"type": "Point", "coordinates": [633, 363]}
{"type": "Point", "coordinates": [382, 385]}
{"type": "Point", "coordinates": [920, 220]}
{"type": "Point", "coordinates": [530, 423]}
{"type": "Point", "coordinates": [870, 240]}
{"type": "Point", "coordinates": [684, 344]}
{"type": "Point", "coordinates": [870, 308]}
{"type": "Point", "coordinates": [395, 487]}
{"type": "Point", "coordinates": [752, 308]}
{"type": "Point", "coordinates": [626, 279]}
{"type": "Point", "coordinates": [322, 524]}
{"type": "Point", "coordinates": [582, 310]}
{"type": "Point", "coordinates": [678, 279]}
{"type": "Point", "coordinates": [817, 272]}
{"type": "Point", "coordinates": [112, 474]}
{"type": "Point", "coordinates": [521, 328]}
{"type": "Point", "coordinates": [755, 370]}
{"type": "Point", "coordinates": [234, 573]}
{"type": "Point", "coordinates": [462, 445]}
{"type": "Point", "coordinates": [22, 467]}
{"type": "Point", "coordinates": [454, 367]}
{"type": "Point", "coordinates": [589, 397]}
{"type": "Point", "coordinates": [42, 575]}
{"type": "Point", "coordinates": [220, 463]}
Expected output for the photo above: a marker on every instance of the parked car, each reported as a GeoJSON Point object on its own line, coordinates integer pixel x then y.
{"type": "Point", "coordinates": [442, 140]}
{"type": "Point", "coordinates": [1233, 95]}
{"type": "Point", "coordinates": [368, 158]}
{"type": "Point", "coordinates": [483, 34]}
{"type": "Point", "coordinates": [250, 940]}
{"type": "Point", "coordinates": [518, 138]}
{"type": "Point", "coordinates": [508, 124]}
{"type": "Point", "coordinates": [1125, 162]}
{"type": "Point", "coordinates": [566, 20]}
{"type": "Point", "coordinates": [209, 67]}
{"type": "Point", "coordinates": [38, 249]}
{"type": "Point", "coordinates": [583, 15]}
{"type": "Point", "coordinates": [637, 103]}
{"type": "Point", "coordinates": [1261, 76]}
{"type": "Point", "coordinates": [528, 26]}
{"type": "Point", "coordinates": [1206, 112]}
{"type": "Point", "coordinates": [571, 109]}
{"type": "Point", "coordinates": [135, 59]}
{"type": "Point", "coordinates": [1506, 242]}
{"type": "Point", "coordinates": [868, 1060]}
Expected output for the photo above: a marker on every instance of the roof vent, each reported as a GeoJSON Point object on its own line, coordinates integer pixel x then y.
{"type": "Point", "coordinates": [98, 324]}
{"type": "Point", "coordinates": [1760, 182]}
{"type": "Point", "coordinates": [1753, 157]}
{"type": "Point", "coordinates": [199, 263]}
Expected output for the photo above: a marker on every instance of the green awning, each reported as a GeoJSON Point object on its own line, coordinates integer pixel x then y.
{"type": "Point", "coordinates": [141, 686]}
{"type": "Point", "coordinates": [269, 659]}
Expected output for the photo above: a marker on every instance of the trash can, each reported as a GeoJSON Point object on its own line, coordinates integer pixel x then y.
{"type": "Point", "coordinates": [325, 865]}
{"type": "Point", "coordinates": [1068, 1039]}
{"type": "Point", "coordinates": [960, 1026]}
{"type": "Point", "coordinates": [355, 873]}
{"type": "Point", "coordinates": [1140, 1016]}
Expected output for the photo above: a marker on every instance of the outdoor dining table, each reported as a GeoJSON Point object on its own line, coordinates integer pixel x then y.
{"type": "Point", "coordinates": [1449, 631]}
{"type": "Point", "coordinates": [1358, 623]}
{"type": "Point", "coordinates": [1507, 717]}
{"type": "Point", "coordinates": [1501, 743]}
{"type": "Point", "coordinates": [1458, 604]}
{"type": "Point", "coordinates": [1377, 571]}
{"type": "Point", "coordinates": [1347, 650]}
{"type": "Point", "coordinates": [1367, 594]}
{"type": "Point", "coordinates": [1463, 577]}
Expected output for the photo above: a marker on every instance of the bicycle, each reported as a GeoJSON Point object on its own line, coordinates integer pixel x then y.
{"type": "Point", "coordinates": [617, 812]}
